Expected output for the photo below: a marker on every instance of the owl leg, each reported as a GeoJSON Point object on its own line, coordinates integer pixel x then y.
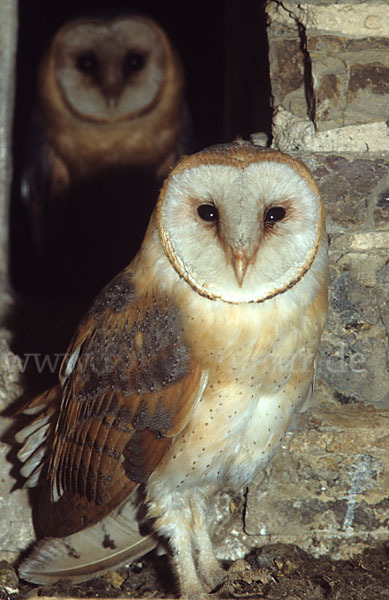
{"type": "Point", "coordinates": [176, 523]}
{"type": "Point", "coordinates": [190, 585]}
{"type": "Point", "coordinates": [208, 565]}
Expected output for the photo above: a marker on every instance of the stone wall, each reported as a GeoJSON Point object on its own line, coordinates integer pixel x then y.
{"type": "Point", "coordinates": [8, 28]}
{"type": "Point", "coordinates": [327, 489]}
{"type": "Point", "coordinates": [15, 521]}
{"type": "Point", "coordinates": [329, 68]}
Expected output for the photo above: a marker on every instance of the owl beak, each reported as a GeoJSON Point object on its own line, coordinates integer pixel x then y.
{"type": "Point", "coordinates": [240, 263]}
{"type": "Point", "coordinates": [112, 102]}
{"type": "Point", "coordinates": [112, 88]}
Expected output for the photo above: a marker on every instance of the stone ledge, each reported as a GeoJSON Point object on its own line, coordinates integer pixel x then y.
{"type": "Point", "coordinates": [291, 133]}
{"type": "Point", "coordinates": [369, 241]}
{"type": "Point", "coordinates": [356, 19]}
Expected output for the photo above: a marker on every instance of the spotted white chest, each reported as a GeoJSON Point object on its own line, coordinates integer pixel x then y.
{"type": "Point", "coordinates": [234, 431]}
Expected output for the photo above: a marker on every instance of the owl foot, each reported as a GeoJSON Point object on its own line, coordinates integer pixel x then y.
{"type": "Point", "coordinates": [214, 576]}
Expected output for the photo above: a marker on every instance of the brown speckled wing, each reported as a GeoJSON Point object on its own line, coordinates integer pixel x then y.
{"type": "Point", "coordinates": [129, 387]}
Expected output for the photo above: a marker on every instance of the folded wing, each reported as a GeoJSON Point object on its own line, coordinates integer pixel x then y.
{"type": "Point", "coordinates": [128, 387]}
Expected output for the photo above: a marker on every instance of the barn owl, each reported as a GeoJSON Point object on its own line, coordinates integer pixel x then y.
{"type": "Point", "coordinates": [110, 125]}
{"type": "Point", "coordinates": [186, 371]}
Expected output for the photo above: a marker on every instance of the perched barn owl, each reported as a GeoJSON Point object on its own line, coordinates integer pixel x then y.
{"type": "Point", "coordinates": [184, 374]}
{"type": "Point", "coordinates": [110, 124]}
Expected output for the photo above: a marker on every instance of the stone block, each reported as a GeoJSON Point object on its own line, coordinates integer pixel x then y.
{"type": "Point", "coordinates": [338, 80]}
{"type": "Point", "coordinates": [351, 186]}
{"type": "Point", "coordinates": [350, 79]}
{"type": "Point", "coordinates": [287, 74]}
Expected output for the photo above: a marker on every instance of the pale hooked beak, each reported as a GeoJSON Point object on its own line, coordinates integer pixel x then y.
{"type": "Point", "coordinates": [112, 102]}
{"type": "Point", "coordinates": [240, 262]}
{"type": "Point", "coordinates": [112, 88]}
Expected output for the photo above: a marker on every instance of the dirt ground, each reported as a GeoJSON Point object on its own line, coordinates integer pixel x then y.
{"type": "Point", "coordinates": [273, 572]}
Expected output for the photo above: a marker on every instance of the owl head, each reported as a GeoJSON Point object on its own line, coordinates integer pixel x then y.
{"type": "Point", "coordinates": [240, 223]}
{"type": "Point", "coordinates": [110, 70]}
{"type": "Point", "coordinates": [111, 92]}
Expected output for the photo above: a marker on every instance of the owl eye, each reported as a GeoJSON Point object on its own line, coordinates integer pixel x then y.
{"type": "Point", "coordinates": [133, 62]}
{"type": "Point", "coordinates": [274, 214]}
{"type": "Point", "coordinates": [88, 63]}
{"type": "Point", "coordinates": [208, 212]}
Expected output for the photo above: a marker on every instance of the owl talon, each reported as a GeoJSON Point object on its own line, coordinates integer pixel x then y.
{"type": "Point", "coordinates": [214, 578]}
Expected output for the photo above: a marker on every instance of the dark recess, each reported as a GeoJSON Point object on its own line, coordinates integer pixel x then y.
{"type": "Point", "coordinates": [224, 50]}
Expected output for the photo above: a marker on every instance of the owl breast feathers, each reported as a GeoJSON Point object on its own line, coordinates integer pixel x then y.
{"type": "Point", "coordinates": [184, 374]}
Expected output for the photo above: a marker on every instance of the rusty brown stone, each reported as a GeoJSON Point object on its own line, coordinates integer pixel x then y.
{"type": "Point", "coordinates": [327, 95]}
{"type": "Point", "coordinates": [288, 72]}
{"type": "Point", "coordinates": [373, 76]}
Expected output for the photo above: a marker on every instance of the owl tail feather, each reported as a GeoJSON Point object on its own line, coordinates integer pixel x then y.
{"type": "Point", "coordinates": [90, 552]}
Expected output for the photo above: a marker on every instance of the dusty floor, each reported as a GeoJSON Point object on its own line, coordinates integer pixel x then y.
{"type": "Point", "coordinates": [273, 572]}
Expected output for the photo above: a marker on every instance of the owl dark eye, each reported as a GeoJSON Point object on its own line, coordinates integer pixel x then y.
{"type": "Point", "coordinates": [88, 63]}
{"type": "Point", "coordinates": [274, 214]}
{"type": "Point", "coordinates": [133, 62]}
{"type": "Point", "coordinates": [208, 212]}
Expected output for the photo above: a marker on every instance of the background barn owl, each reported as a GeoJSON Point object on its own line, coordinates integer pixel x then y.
{"type": "Point", "coordinates": [184, 374]}
{"type": "Point", "coordinates": [106, 133]}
